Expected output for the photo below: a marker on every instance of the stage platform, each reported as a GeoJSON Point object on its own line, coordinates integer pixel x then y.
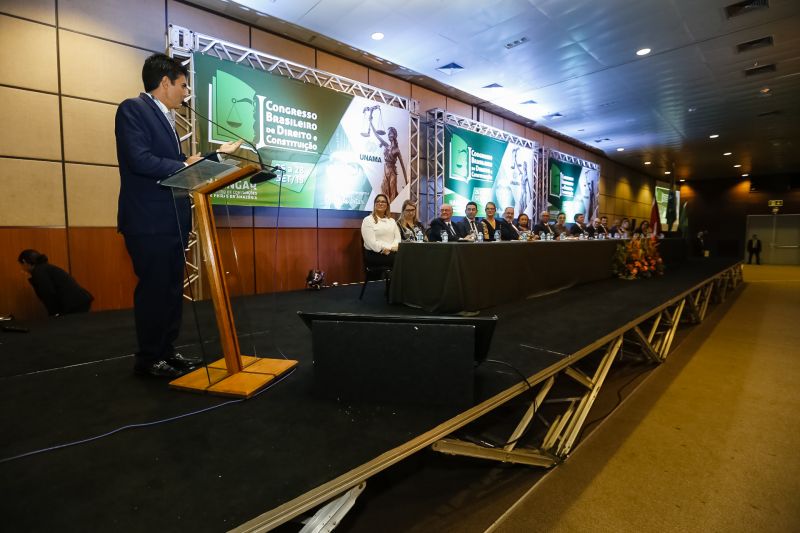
{"type": "Point", "coordinates": [87, 444]}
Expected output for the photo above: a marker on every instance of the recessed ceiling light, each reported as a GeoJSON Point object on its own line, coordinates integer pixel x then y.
{"type": "Point", "coordinates": [643, 51]}
{"type": "Point", "coordinates": [713, 136]}
{"type": "Point", "coordinates": [745, 175]}
{"type": "Point", "coordinates": [692, 109]}
{"type": "Point", "coordinates": [667, 172]}
{"type": "Point", "coordinates": [648, 162]}
{"type": "Point", "coordinates": [727, 153]}
{"type": "Point", "coordinates": [377, 36]}
{"type": "Point", "coordinates": [620, 149]}
{"type": "Point", "coordinates": [681, 180]}
{"type": "Point", "coordinates": [765, 90]}
{"type": "Point", "coordinates": [737, 166]}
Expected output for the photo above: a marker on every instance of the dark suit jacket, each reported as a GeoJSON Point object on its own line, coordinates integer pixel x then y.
{"type": "Point", "coordinates": [754, 247]}
{"type": "Point", "coordinates": [540, 227]}
{"type": "Point", "coordinates": [59, 291]}
{"type": "Point", "coordinates": [507, 231]}
{"type": "Point", "coordinates": [438, 226]}
{"type": "Point", "coordinates": [465, 229]}
{"type": "Point", "coordinates": [576, 230]}
{"type": "Point", "coordinates": [148, 151]}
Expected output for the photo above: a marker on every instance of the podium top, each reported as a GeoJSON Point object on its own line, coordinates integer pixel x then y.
{"type": "Point", "coordinates": [202, 173]}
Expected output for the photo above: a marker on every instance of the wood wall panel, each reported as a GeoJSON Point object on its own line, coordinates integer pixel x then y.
{"type": "Point", "coordinates": [139, 23]}
{"type": "Point", "coordinates": [17, 296]}
{"type": "Point", "coordinates": [342, 67]}
{"type": "Point", "coordinates": [39, 10]}
{"type": "Point", "coordinates": [283, 266]}
{"type": "Point", "coordinates": [18, 69]}
{"type": "Point", "coordinates": [389, 83]}
{"type": "Point", "coordinates": [34, 116]}
{"type": "Point", "coordinates": [427, 99]}
{"type": "Point", "coordinates": [284, 48]}
{"type": "Point", "coordinates": [340, 255]}
{"type": "Point", "coordinates": [32, 193]}
{"type": "Point", "coordinates": [89, 131]}
{"type": "Point", "coordinates": [458, 107]}
{"type": "Point", "coordinates": [100, 70]}
{"type": "Point", "coordinates": [101, 264]}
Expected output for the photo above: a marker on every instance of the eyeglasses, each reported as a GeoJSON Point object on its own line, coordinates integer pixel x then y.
{"type": "Point", "coordinates": [381, 202]}
{"type": "Point", "coordinates": [409, 210]}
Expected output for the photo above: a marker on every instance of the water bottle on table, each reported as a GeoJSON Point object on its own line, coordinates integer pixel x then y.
{"type": "Point", "coordinates": [444, 236]}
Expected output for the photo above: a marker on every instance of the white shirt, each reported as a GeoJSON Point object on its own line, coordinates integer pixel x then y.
{"type": "Point", "coordinates": [380, 235]}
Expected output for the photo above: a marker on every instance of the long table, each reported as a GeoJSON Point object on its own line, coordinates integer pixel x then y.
{"type": "Point", "coordinates": [462, 277]}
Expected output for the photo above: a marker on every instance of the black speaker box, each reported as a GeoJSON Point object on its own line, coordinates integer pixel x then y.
{"type": "Point", "coordinates": [394, 362]}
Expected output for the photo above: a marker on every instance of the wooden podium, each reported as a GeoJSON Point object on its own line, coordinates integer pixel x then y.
{"type": "Point", "coordinates": [235, 374]}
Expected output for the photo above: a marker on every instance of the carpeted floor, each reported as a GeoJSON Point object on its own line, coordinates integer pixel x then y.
{"type": "Point", "coordinates": [708, 443]}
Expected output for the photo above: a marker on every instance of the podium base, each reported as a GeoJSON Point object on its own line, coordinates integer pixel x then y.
{"type": "Point", "coordinates": [256, 373]}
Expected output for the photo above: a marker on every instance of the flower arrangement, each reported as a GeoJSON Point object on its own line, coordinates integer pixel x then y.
{"type": "Point", "coordinates": [638, 258]}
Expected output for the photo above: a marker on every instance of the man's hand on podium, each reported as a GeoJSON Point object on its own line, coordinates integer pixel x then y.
{"type": "Point", "coordinates": [192, 159]}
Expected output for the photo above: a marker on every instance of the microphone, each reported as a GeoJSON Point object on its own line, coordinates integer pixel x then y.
{"type": "Point", "coordinates": [267, 171]}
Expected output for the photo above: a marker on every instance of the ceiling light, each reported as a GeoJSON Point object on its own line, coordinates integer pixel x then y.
{"type": "Point", "coordinates": [493, 86]}
{"type": "Point", "coordinates": [727, 153]}
{"type": "Point", "coordinates": [648, 162]}
{"type": "Point", "coordinates": [681, 180]}
{"type": "Point", "coordinates": [765, 90]}
{"type": "Point", "coordinates": [377, 36]}
{"type": "Point", "coordinates": [620, 149]}
{"type": "Point", "coordinates": [692, 109]}
{"type": "Point", "coordinates": [643, 51]}
{"type": "Point", "coordinates": [667, 172]}
{"type": "Point", "coordinates": [745, 175]}
{"type": "Point", "coordinates": [737, 166]}
{"type": "Point", "coordinates": [528, 102]}
{"type": "Point", "coordinates": [713, 136]}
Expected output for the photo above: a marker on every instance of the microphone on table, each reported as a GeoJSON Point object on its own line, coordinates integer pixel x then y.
{"type": "Point", "coordinates": [267, 172]}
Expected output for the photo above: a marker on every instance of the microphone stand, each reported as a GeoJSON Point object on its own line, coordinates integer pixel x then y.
{"type": "Point", "coordinates": [267, 171]}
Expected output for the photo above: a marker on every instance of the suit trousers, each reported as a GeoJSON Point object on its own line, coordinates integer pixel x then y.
{"type": "Point", "coordinates": [158, 262]}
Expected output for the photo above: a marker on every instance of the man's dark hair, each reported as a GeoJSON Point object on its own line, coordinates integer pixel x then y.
{"type": "Point", "coordinates": [575, 218]}
{"type": "Point", "coordinates": [473, 204]}
{"type": "Point", "coordinates": [159, 65]}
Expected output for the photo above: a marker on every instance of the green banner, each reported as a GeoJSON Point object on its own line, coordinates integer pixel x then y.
{"type": "Point", "coordinates": [338, 150]}
{"type": "Point", "coordinates": [574, 189]}
{"type": "Point", "coordinates": [483, 169]}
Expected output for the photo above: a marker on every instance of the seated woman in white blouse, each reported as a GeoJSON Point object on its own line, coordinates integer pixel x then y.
{"type": "Point", "coordinates": [380, 233]}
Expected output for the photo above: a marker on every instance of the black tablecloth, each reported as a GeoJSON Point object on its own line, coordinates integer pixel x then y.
{"type": "Point", "coordinates": [455, 277]}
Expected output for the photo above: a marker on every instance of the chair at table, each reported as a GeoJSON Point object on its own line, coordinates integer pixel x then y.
{"type": "Point", "coordinates": [374, 273]}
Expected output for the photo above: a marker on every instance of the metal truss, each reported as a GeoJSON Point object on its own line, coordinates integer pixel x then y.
{"type": "Point", "coordinates": [572, 159]}
{"type": "Point", "coordinates": [652, 334]}
{"type": "Point", "coordinates": [182, 43]}
{"type": "Point", "coordinates": [542, 185]}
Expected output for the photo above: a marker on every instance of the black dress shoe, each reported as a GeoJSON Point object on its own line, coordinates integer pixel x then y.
{"type": "Point", "coordinates": [184, 361]}
{"type": "Point", "coordinates": [159, 369]}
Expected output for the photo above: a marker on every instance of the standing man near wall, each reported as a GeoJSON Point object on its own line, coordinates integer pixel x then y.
{"type": "Point", "coordinates": [155, 224]}
{"type": "Point", "coordinates": [754, 248]}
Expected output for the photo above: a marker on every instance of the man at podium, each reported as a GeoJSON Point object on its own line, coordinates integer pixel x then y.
{"type": "Point", "coordinates": [154, 223]}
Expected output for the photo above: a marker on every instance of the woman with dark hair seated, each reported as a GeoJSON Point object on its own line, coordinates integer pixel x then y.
{"type": "Point", "coordinates": [644, 229]}
{"type": "Point", "coordinates": [380, 233]}
{"type": "Point", "coordinates": [59, 291]}
{"type": "Point", "coordinates": [409, 224]}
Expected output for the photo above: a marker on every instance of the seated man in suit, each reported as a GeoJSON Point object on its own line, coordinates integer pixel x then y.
{"type": "Point", "coordinates": [544, 225]}
{"type": "Point", "coordinates": [509, 231]}
{"type": "Point", "coordinates": [602, 227]}
{"type": "Point", "coordinates": [470, 226]}
{"type": "Point", "coordinates": [579, 227]}
{"type": "Point", "coordinates": [444, 224]}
